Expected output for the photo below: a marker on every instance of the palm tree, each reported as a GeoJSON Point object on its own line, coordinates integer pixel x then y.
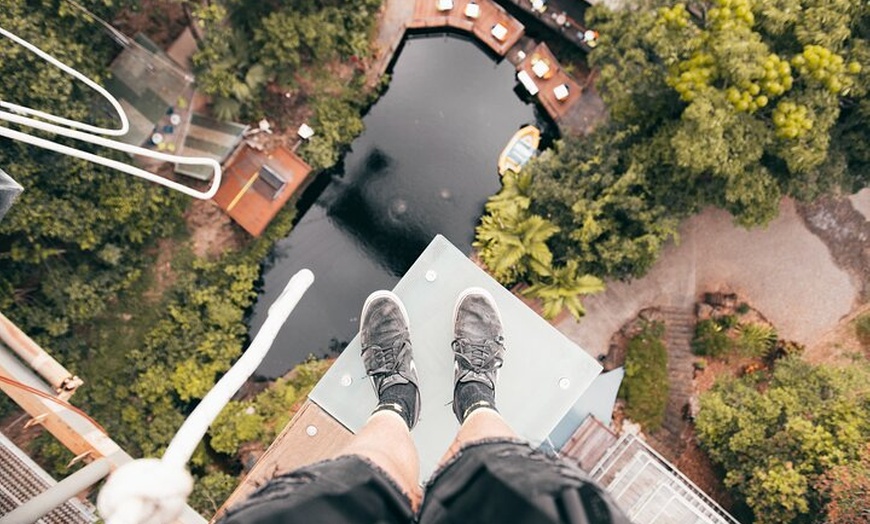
{"type": "Point", "coordinates": [562, 289]}
{"type": "Point", "coordinates": [512, 242]}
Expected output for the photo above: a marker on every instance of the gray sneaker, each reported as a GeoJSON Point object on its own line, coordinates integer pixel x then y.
{"type": "Point", "coordinates": [478, 345]}
{"type": "Point", "coordinates": [386, 351]}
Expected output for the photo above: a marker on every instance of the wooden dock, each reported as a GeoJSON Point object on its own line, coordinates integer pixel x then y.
{"type": "Point", "coordinates": [311, 436]}
{"type": "Point", "coordinates": [489, 16]}
{"type": "Point", "coordinates": [550, 83]}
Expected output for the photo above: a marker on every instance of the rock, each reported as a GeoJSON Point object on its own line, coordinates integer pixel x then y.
{"type": "Point", "coordinates": [704, 311]}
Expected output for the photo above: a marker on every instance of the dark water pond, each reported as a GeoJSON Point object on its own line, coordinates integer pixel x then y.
{"type": "Point", "coordinates": [425, 165]}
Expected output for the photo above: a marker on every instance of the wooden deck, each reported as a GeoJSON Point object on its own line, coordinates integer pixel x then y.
{"type": "Point", "coordinates": [556, 77]}
{"type": "Point", "coordinates": [427, 15]}
{"type": "Point", "coordinates": [313, 435]}
{"type": "Point", "coordinates": [252, 202]}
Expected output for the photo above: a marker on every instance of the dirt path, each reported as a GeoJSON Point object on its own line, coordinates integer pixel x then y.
{"type": "Point", "coordinates": [784, 270]}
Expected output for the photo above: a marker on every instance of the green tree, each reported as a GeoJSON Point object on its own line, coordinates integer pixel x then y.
{"type": "Point", "coordinates": [609, 221]}
{"type": "Point", "coordinates": [777, 436]}
{"type": "Point", "coordinates": [561, 290]}
{"type": "Point", "coordinates": [211, 490]}
{"type": "Point", "coordinates": [740, 106]}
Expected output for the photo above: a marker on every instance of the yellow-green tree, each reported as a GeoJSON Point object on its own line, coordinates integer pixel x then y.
{"type": "Point", "coordinates": [744, 101]}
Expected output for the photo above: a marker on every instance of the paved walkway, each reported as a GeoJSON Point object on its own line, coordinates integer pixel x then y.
{"type": "Point", "coordinates": [391, 28]}
{"type": "Point", "coordinates": [784, 270]}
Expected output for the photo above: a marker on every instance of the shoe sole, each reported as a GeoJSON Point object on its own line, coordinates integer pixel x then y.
{"type": "Point", "coordinates": [477, 291]}
{"type": "Point", "coordinates": [383, 293]}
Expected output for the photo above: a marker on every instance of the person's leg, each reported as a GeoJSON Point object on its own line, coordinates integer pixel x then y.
{"type": "Point", "coordinates": [489, 474]}
{"type": "Point", "coordinates": [375, 478]}
{"type": "Point", "coordinates": [387, 356]}
{"type": "Point", "coordinates": [478, 352]}
{"type": "Point", "coordinates": [481, 424]}
{"type": "Point", "coordinates": [386, 442]}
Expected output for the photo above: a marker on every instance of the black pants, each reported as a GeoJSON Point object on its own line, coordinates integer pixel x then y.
{"type": "Point", "coordinates": [497, 481]}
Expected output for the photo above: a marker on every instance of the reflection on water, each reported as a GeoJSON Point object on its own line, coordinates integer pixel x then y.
{"type": "Point", "coordinates": [425, 165]}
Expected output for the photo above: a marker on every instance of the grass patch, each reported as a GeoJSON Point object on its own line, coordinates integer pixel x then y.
{"type": "Point", "coordinates": [645, 387]}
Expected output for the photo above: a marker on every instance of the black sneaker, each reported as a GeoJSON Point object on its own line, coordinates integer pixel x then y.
{"type": "Point", "coordinates": [386, 354]}
{"type": "Point", "coordinates": [478, 350]}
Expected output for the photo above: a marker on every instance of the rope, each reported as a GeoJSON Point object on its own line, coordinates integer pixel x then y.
{"type": "Point", "coordinates": [154, 491]}
{"type": "Point", "coordinates": [17, 114]}
{"type": "Point", "coordinates": [46, 396]}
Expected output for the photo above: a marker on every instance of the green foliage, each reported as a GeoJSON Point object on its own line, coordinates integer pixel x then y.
{"type": "Point", "coordinates": [756, 340]}
{"type": "Point", "coordinates": [248, 47]}
{"type": "Point", "coordinates": [776, 436]}
{"type": "Point", "coordinates": [609, 222]}
{"type": "Point", "coordinates": [239, 422]}
{"type": "Point", "coordinates": [261, 418]}
{"type": "Point", "coordinates": [512, 242]}
{"type": "Point", "coordinates": [645, 387]}
{"type": "Point", "coordinates": [862, 329]}
{"type": "Point", "coordinates": [338, 120]}
{"type": "Point", "coordinates": [211, 490]}
{"type": "Point", "coordinates": [740, 106]}
{"type": "Point", "coordinates": [711, 339]}
{"type": "Point", "coordinates": [562, 289]}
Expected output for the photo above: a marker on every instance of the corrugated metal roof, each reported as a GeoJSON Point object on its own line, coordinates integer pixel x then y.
{"type": "Point", "coordinates": [22, 479]}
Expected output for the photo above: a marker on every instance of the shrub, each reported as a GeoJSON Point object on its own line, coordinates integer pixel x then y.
{"type": "Point", "coordinates": [645, 388]}
{"type": "Point", "coordinates": [727, 321]}
{"type": "Point", "coordinates": [743, 308]}
{"type": "Point", "coordinates": [756, 340]}
{"type": "Point", "coordinates": [862, 329]}
{"type": "Point", "coordinates": [711, 339]}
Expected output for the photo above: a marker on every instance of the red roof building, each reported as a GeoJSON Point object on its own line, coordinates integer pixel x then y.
{"type": "Point", "coordinates": [257, 184]}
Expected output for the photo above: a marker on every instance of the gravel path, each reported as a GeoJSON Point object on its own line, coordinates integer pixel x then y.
{"type": "Point", "coordinates": [784, 271]}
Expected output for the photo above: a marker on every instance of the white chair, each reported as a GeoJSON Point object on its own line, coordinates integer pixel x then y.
{"type": "Point", "coordinates": [499, 32]}
{"type": "Point", "coordinates": [540, 68]}
{"type": "Point", "coordinates": [528, 83]}
{"type": "Point", "coordinates": [445, 5]}
{"type": "Point", "coordinates": [472, 10]}
{"type": "Point", "coordinates": [561, 92]}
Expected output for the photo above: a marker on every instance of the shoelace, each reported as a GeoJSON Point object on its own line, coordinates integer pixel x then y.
{"type": "Point", "coordinates": [386, 358]}
{"type": "Point", "coordinates": [479, 356]}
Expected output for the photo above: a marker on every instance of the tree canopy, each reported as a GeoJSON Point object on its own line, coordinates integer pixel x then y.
{"type": "Point", "coordinates": [75, 236]}
{"type": "Point", "coordinates": [247, 45]}
{"type": "Point", "coordinates": [743, 102]}
{"type": "Point", "coordinates": [778, 436]}
{"type": "Point", "coordinates": [735, 104]}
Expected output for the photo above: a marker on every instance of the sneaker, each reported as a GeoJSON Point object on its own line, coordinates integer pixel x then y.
{"type": "Point", "coordinates": [386, 354]}
{"type": "Point", "coordinates": [478, 350]}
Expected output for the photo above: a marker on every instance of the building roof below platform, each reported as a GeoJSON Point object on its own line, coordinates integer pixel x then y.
{"type": "Point", "coordinates": [256, 185]}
